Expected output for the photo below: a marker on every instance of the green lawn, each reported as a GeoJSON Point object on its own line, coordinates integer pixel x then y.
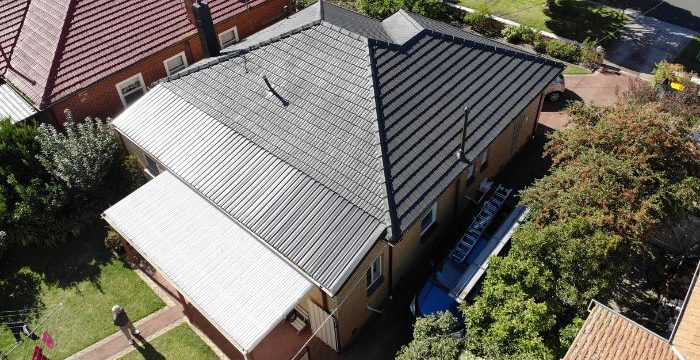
{"type": "Point", "coordinates": [689, 55]}
{"type": "Point", "coordinates": [574, 19]}
{"type": "Point", "coordinates": [575, 70]}
{"type": "Point", "coordinates": [82, 275]}
{"type": "Point", "coordinates": [181, 342]}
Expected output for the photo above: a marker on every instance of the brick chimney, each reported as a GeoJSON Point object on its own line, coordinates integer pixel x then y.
{"type": "Point", "coordinates": [205, 28]}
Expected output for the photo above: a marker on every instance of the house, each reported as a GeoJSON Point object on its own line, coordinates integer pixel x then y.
{"type": "Point", "coordinates": [303, 172]}
{"type": "Point", "coordinates": [95, 57]}
{"type": "Point", "coordinates": [607, 334]}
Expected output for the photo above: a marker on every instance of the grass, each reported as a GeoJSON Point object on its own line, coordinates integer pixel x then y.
{"type": "Point", "coordinates": [688, 56]}
{"type": "Point", "coordinates": [181, 342]}
{"type": "Point", "coordinates": [575, 70]}
{"type": "Point", "coordinates": [82, 275]}
{"type": "Point", "coordinates": [574, 19]}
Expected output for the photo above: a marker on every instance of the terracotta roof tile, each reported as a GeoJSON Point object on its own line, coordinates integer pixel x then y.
{"type": "Point", "coordinates": [608, 335]}
{"type": "Point", "coordinates": [66, 45]}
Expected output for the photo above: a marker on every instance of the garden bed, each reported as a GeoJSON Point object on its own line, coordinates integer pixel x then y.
{"type": "Point", "coordinates": [82, 275]}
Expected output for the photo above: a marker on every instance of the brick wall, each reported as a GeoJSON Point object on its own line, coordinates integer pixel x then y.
{"type": "Point", "coordinates": [102, 99]}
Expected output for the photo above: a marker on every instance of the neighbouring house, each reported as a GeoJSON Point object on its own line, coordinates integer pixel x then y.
{"type": "Point", "coordinates": [302, 173]}
{"type": "Point", "coordinates": [95, 57]}
{"type": "Point", "coordinates": [606, 334]}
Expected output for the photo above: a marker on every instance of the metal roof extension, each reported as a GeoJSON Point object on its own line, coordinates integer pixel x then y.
{"type": "Point", "coordinates": [235, 280]}
{"type": "Point", "coordinates": [13, 105]}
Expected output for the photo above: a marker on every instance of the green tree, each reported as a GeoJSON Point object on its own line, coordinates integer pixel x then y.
{"type": "Point", "coordinates": [81, 157]}
{"type": "Point", "coordinates": [381, 9]}
{"type": "Point", "coordinates": [30, 200]}
{"type": "Point", "coordinates": [433, 339]}
{"type": "Point", "coordinates": [513, 311]}
{"type": "Point", "coordinates": [620, 176]}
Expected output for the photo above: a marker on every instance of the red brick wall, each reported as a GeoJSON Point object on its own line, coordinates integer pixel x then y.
{"type": "Point", "coordinates": [102, 99]}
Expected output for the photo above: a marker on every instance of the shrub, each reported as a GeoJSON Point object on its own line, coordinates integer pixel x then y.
{"type": "Point", "coordinates": [589, 56]}
{"type": "Point", "coordinates": [380, 9]}
{"type": "Point", "coordinates": [113, 240]}
{"type": "Point", "coordinates": [81, 157]}
{"type": "Point", "coordinates": [540, 44]}
{"type": "Point", "coordinates": [665, 71]}
{"type": "Point", "coordinates": [481, 22]}
{"type": "Point", "coordinates": [134, 172]}
{"type": "Point", "coordinates": [564, 50]}
{"type": "Point", "coordinates": [517, 34]}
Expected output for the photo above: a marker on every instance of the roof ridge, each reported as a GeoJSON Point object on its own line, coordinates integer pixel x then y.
{"type": "Point", "coordinates": [62, 37]}
{"type": "Point", "coordinates": [235, 53]}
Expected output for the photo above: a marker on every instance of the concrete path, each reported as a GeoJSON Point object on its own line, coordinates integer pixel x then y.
{"type": "Point", "coordinates": [644, 41]}
{"type": "Point", "coordinates": [599, 89]}
{"type": "Point", "coordinates": [152, 326]}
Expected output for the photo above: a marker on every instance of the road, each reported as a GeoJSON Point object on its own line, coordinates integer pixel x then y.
{"type": "Point", "coordinates": [685, 13]}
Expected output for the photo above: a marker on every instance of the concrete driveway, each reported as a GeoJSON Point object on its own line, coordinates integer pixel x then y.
{"type": "Point", "coordinates": [599, 89]}
{"type": "Point", "coordinates": [644, 41]}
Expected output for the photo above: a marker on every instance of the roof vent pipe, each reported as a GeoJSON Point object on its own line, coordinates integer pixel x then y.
{"type": "Point", "coordinates": [205, 28]}
{"type": "Point", "coordinates": [462, 152]}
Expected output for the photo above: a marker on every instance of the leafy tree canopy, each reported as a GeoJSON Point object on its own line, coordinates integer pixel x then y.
{"type": "Point", "coordinates": [433, 339]}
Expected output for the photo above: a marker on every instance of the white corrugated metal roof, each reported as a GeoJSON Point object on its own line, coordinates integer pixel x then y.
{"type": "Point", "coordinates": [13, 105]}
{"type": "Point", "coordinates": [241, 285]}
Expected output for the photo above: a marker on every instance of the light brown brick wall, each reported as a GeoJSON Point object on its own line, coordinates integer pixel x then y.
{"type": "Point", "coordinates": [353, 299]}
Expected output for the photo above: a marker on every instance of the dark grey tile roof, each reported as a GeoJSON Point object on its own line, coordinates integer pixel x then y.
{"type": "Point", "coordinates": [422, 89]}
{"type": "Point", "coordinates": [366, 113]}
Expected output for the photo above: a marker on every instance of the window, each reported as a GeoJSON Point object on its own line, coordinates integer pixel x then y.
{"type": "Point", "coordinates": [428, 220]}
{"type": "Point", "coordinates": [228, 37]}
{"type": "Point", "coordinates": [484, 159]}
{"type": "Point", "coordinates": [175, 63]}
{"type": "Point", "coordinates": [131, 89]}
{"type": "Point", "coordinates": [516, 131]}
{"type": "Point", "coordinates": [152, 166]}
{"type": "Point", "coordinates": [374, 275]}
{"type": "Point", "coordinates": [471, 174]}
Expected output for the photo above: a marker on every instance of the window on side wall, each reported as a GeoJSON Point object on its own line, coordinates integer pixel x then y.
{"type": "Point", "coordinates": [152, 166]}
{"type": "Point", "coordinates": [175, 63]}
{"type": "Point", "coordinates": [374, 275]}
{"type": "Point", "coordinates": [131, 89]}
{"type": "Point", "coordinates": [484, 160]}
{"type": "Point", "coordinates": [427, 222]}
{"type": "Point", "coordinates": [471, 174]}
{"type": "Point", "coordinates": [228, 37]}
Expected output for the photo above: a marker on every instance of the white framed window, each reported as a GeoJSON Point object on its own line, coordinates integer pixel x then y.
{"type": "Point", "coordinates": [374, 272]}
{"type": "Point", "coordinates": [151, 166]}
{"type": "Point", "coordinates": [175, 63]}
{"type": "Point", "coordinates": [131, 89]}
{"type": "Point", "coordinates": [484, 159]}
{"type": "Point", "coordinates": [228, 37]}
{"type": "Point", "coordinates": [428, 219]}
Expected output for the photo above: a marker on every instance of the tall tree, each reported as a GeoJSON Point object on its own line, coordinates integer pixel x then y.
{"type": "Point", "coordinates": [433, 339]}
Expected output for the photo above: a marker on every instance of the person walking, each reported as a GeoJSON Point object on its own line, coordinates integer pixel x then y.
{"type": "Point", "coordinates": [121, 319]}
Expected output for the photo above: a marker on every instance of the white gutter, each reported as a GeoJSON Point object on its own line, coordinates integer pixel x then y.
{"type": "Point", "coordinates": [516, 218]}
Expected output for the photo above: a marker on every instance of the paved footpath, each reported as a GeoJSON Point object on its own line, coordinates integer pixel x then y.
{"type": "Point", "coordinates": [152, 326]}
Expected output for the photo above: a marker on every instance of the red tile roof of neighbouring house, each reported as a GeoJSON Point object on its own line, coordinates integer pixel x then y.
{"type": "Point", "coordinates": [609, 335]}
{"type": "Point", "coordinates": [11, 17]}
{"type": "Point", "coordinates": [64, 46]}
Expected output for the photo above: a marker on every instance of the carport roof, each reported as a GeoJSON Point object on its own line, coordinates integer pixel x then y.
{"type": "Point", "coordinates": [234, 279]}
